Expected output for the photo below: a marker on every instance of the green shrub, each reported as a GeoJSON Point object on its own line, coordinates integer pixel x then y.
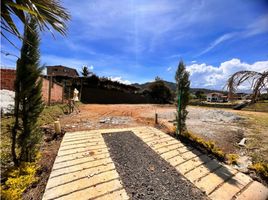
{"type": "Point", "coordinates": [261, 168]}
{"type": "Point", "coordinates": [209, 145]}
{"type": "Point", "coordinates": [19, 179]}
{"type": "Point", "coordinates": [232, 158]}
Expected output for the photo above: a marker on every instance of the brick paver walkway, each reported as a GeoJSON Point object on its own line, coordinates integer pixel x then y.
{"type": "Point", "coordinates": [83, 169]}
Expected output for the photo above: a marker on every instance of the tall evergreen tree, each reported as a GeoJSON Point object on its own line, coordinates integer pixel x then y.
{"type": "Point", "coordinates": [182, 92]}
{"type": "Point", "coordinates": [28, 100]}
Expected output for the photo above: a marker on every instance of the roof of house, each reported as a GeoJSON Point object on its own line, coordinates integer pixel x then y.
{"type": "Point", "coordinates": [61, 66]}
{"type": "Point", "coordinates": [215, 93]}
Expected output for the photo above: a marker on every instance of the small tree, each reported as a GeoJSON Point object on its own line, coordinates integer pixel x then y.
{"type": "Point", "coordinates": [200, 95]}
{"type": "Point", "coordinates": [182, 91]}
{"type": "Point", "coordinates": [28, 100]}
{"type": "Point", "coordinates": [85, 72]}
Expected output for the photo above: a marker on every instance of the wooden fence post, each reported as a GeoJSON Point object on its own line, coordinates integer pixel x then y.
{"type": "Point", "coordinates": [156, 118]}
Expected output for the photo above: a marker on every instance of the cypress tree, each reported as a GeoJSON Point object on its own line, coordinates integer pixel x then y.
{"type": "Point", "coordinates": [182, 92]}
{"type": "Point", "coordinates": [29, 97]}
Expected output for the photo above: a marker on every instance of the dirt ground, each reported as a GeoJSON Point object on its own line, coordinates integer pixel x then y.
{"type": "Point", "coordinates": [225, 127]}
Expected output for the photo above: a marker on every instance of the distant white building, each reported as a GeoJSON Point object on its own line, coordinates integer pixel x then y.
{"type": "Point", "coordinates": [216, 97]}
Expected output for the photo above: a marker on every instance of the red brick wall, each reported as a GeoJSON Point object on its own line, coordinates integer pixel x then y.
{"type": "Point", "coordinates": [56, 91]}
{"type": "Point", "coordinates": [8, 77]}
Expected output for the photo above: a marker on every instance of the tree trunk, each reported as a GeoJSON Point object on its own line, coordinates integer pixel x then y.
{"type": "Point", "coordinates": [15, 129]}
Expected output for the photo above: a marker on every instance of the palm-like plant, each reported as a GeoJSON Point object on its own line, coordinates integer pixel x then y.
{"type": "Point", "coordinates": [259, 82]}
{"type": "Point", "coordinates": [47, 13]}
{"type": "Point", "coordinates": [85, 72]}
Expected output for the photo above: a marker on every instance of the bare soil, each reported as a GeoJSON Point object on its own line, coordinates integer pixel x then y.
{"type": "Point", "coordinates": [225, 127]}
{"type": "Point", "coordinates": [145, 175]}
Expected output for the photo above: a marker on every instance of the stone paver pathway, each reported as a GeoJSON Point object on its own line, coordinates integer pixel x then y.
{"type": "Point", "coordinates": [83, 169]}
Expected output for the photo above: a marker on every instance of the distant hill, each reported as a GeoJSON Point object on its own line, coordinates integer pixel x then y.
{"type": "Point", "coordinates": [172, 86]}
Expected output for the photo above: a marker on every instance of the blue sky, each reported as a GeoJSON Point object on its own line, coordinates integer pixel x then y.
{"type": "Point", "coordinates": [137, 40]}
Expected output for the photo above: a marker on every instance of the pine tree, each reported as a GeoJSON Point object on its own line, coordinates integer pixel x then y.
{"type": "Point", "coordinates": [29, 98]}
{"type": "Point", "coordinates": [85, 72]}
{"type": "Point", "coordinates": [182, 92]}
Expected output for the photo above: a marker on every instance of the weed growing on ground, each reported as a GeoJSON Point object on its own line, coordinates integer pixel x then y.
{"type": "Point", "coordinates": [19, 179]}
{"type": "Point", "coordinates": [261, 168]}
{"type": "Point", "coordinates": [232, 159]}
{"type": "Point", "coordinates": [208, 145]}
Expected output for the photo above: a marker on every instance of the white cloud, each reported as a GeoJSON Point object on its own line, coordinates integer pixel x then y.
{"type": "Point", "coordinates": [91, 67]}
{"type": "Point", "coordinates": [259, 26]}
{"type": "Point", "coordinates": [169, 69]}
{"type": "Point", "coordinates": [48, 59]}
{"type": "Point", "coordinates": [193, 61]}
{"type": "Point", "coordinates": [218, 41]}
{"type": "Point", "coordinates": [119, 79]}
{"type": "Point", "coordinates": [215, 77]}
{"type": "Point", "coordinates": [142, 25]}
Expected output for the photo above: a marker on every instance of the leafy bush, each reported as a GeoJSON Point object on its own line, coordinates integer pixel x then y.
{"type": "Point", "coordinates": [208, 145]}
{"type": "Point", "coordinates": [19, 179]}
{"type": "Point", "coordinates": [232, 158]}
{"type": "Point", "coordinates": [261, 168]}
{"type": "Point", "coordinates": [160, 92]}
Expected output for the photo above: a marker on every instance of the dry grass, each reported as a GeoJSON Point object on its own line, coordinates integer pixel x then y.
{"type": "Point", "coordinates": [258, 107]}
{"type": "Point", "coordinates": [257, 123]}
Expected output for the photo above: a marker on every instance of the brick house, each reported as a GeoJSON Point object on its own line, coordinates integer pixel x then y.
{"type": "Point", "coordinates": [59, 70]}
{"type": "Point", "coordinates": [8, 77]}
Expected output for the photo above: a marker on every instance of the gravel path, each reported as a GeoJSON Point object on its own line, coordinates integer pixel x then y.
{"type": "Point", "coordinates": [144, 173]}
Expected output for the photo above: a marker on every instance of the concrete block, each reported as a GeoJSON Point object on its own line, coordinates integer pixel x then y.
{"type": "Point", "coordinates": [233, 186]}
{"type": "Point", "coordinates": [192, 163]}
{"type": "Point", "coordinates": [214, 179]}
{"type": "Point", "coordinates": [87, 187]}
{"type": "Point", "coordinates": [202, 170]}
{"type": "Point", "coordinates": [256, 191]}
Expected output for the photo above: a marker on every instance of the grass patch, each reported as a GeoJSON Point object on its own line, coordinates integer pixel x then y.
{"type": "Point", "coordinates": [258, 107]}
{"type": "Point", "coordinates": [257, 123]}
{"type": "Point", "coordinates": [211, 147]}
{"type": "Point", "coordinates": [208, 145]}
{"type": "Point", "coordinates": [261, 169]}
{"type": "Point", "coordinates": [18, 179]}
{"type": "Point", "coordinates": [51, 113]}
